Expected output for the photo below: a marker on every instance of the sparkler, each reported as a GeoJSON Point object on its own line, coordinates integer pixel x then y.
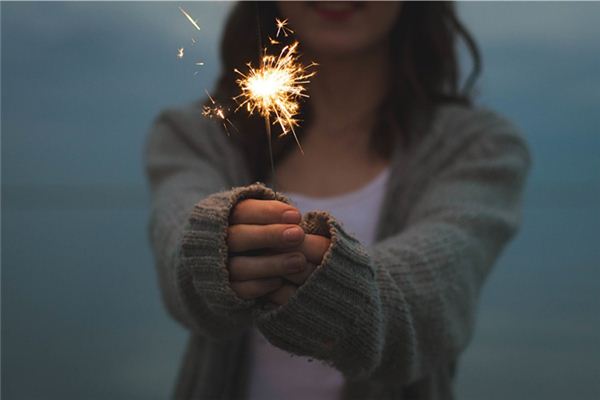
{"type": "Point", "coordinates": [273, 90]}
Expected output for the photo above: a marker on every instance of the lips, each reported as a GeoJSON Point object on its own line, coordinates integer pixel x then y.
{"type": "Point", "coordinates": [336, 10]}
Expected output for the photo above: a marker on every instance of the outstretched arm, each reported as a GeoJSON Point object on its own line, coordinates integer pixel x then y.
{"type": "Point", "coordinates": [200, 231]}
{"type": "Point", "coordinates": [406, 305]}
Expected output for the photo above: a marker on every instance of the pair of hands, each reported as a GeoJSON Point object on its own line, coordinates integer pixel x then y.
{"type": "Point", "coordinates": [270, 254]}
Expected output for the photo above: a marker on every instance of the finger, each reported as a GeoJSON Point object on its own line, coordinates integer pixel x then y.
{"type": "Point", "coordinates": [248, 237]}
{"type": "Point", "coordinates": [300, 277]}
{"type": "Point", "coordinates": [263, 212]}
{"type": "Point", "coordinates": [314, 248]}
{"type": "Point", "coordinates": [255, 288]}
{"type": "Point", "coordinates": [243, 268]}
{"type": "Point", "coordinates": [283, 294]}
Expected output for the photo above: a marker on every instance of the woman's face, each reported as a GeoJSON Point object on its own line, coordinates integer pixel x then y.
{"type": "Point", "coordinates": [340, 28]}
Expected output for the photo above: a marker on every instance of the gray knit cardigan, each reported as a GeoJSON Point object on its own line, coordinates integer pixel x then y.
{"type": "Point", "coordinates": [392, 317]}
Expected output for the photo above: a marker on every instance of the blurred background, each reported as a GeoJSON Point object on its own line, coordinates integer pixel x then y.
{"type": "Point", "coordinates": [81, 312]}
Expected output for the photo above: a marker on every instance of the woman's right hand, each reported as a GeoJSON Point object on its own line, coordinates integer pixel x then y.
{"type": "Point", "coordinates": [271, 227]}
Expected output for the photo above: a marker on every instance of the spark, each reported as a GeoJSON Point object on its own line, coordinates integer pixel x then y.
{"type": "Point", "coordinates": [217, 111]}
{"type": "Point", "coordinates": [180, 52]}
{"type": "Point", "coordinates": [273, 41]}
{"type": "Point", "coordinates": [200, 63]}
{"type": "Point", "coordinates": [282, 27]}
{"type": "Point", "coordinates": [194, 41]}
{"type": "Point", "coordinates": [274, 89]}
{"type": "Point", "coordinates": [189, 17]}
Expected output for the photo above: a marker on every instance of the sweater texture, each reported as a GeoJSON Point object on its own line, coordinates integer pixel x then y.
{"type": "Point", "coordinates": [392, 317]}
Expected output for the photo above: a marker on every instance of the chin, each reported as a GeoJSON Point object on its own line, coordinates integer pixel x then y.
{"type": "Point", "coordinates": [335, 48]}
{"type": "Point", "coordinates": [340, 28]}
{"type": "Point", "coordinates": [338, 44]}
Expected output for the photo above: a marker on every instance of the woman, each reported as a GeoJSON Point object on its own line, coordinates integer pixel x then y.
{"type": "Point", "coordinates": [408, 194]}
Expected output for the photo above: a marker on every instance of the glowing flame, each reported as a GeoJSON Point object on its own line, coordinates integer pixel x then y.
{"type": "Point", "coordinates": [274, 89]}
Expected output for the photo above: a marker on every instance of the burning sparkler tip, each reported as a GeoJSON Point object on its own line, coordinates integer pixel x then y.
{"type": "Point", "coordinates": [273, 90]}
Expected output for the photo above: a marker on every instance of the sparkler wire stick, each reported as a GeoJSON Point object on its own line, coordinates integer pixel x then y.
{"type": "Point", "coordinates": [267, 118]}
{"type": "Point", "coordinates": [268, 127]}
{"type": "Point", "coordinates": [274, 89]}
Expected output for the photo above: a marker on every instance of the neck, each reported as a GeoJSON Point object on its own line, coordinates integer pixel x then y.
{"type": "Point", "coordinates": [346, 92]}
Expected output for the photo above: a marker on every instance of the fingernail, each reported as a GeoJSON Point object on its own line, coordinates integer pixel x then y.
{"type": "Point", "coordinates": [294, 263]}
{"type": "Point", "coordinates": [293, 235]}
{"type": "Point", "coordinates": [291, 217]}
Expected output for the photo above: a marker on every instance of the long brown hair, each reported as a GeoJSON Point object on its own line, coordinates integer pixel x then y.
{"type": "Point", "coordinates": [426, 71]}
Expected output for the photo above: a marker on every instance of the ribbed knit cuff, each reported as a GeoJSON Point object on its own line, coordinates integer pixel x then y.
{"type": "Point", "coordinates": [204, 252]}
{"type": "Point", "coordinates": [335, 315]}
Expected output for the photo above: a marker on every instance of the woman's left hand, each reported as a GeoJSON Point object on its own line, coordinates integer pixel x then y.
{"type": "Point", "coordinates": [313, 247]}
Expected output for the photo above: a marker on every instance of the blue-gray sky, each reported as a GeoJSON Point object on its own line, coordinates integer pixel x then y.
{"type": "Point", "coordinates": [81, 83]}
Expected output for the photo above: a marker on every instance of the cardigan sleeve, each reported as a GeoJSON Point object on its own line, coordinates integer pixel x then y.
{"type": "Point", "coordinates": [190, 171]}
{"type": "Point", "coordinates": [406, 305]}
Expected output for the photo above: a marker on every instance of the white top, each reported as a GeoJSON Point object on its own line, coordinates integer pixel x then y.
{"type": "Point", "coordinates": [274, 373]}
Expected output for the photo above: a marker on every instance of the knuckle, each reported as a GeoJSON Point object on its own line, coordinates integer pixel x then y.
{"type": "Point", "coordinates": [232, 231]}
{"type": "Point", "coordinates": [271, 208]}
{"type": "Point", "coordinates": [300, 255]}
{"type": "Point", "coordinates": [234, 265]}
{"type": "Point", "coordinates": [287, 262]}
{"type": "Point", "coordinates": [241, 205]}
{"type": "Point", "coordinates": [238, 289]}
{"type": "Point", "coordinates": [272, 283]}
{"type": "Point", "coordinates": [258, 288]}
{"type": "Point", "coordinates": [235, 235]}
{"type": "Point", "coordinates": [276, 234]}
{"type": "Point", "coordinates": [237, 211]}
